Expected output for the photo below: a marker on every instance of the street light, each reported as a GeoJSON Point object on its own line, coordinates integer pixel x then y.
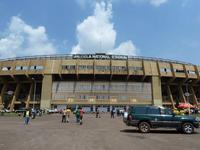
{"type": "Point", "coordinates": [187, 94]}
{"type": "Point", "coordinates": [9, 93]}
{"type": "Point", "coordinates": [34, 93]}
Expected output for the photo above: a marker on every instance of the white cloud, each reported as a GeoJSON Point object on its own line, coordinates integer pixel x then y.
{"type": "Point", "coordinates": [24, 40]}
{"type": "Point", "coordinates": [97, 34]}
{"type": "Point", "coordinates": [155, 3]}
{"type": "Point", "coordinates": [84, 3]}
{"type": "Point", "coordinates": [125, 48]}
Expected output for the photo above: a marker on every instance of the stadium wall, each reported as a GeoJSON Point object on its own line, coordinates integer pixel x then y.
{"type": "Point", "coordinates": [29, 81]}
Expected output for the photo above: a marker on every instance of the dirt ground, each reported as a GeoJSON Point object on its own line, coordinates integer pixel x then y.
{"type": "Point", "coordinates": [48, 133]}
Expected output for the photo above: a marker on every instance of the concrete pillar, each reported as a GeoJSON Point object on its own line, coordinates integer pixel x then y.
{"type": "Point", "coordinates": [46, 92]}
{"type": "Point", "coordinates": [182, 93]}
{"type": "Point", "coordinates": [156, 91]}
{"type": "Point", "coordinates": [94, 108]}
{"type": "Point", "coordinates": [29, 95]}
{"type": "Point", "coordinates": [3, 90]}
{"type": "Point", "coordinates": [111, 107]}
{"type": "Point", "coordinates": [170, 96]}
{"type": "Point", "coordinates": [16, 93]}
{"type": "Point", "coordinates": [195, 101]}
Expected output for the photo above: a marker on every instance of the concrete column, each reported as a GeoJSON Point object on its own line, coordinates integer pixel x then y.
{"type": "Point", "coordinates": [193, 96]}
{"type": "Point", "coordinates": [156, 91]}
{"type": "Point", "coordinates": [29, 95]}
{"type": "Point", "coordinates": [3, 90]}
{"type": "Point", "coordinates": [76, 107]}
{"type": "Point", "coordinates": [94, 108]}
{"type": "Point", "coordinates": [170, 96]}
{"type": "Point", "coordinates": [46, 92]}
{"type": "Point", "coordinates": [182, 93]}
{"type": "Point", "coordinates": [16, 93]}
{"type": "Point", "coordinates": [111, 107]}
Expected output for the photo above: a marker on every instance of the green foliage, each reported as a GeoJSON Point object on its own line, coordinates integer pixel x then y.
{"type": "Point", "coordinates": [9, 114]}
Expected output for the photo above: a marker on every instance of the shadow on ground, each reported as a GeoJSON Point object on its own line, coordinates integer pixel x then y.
{"type": "Point", "coordinates": [154, 131]}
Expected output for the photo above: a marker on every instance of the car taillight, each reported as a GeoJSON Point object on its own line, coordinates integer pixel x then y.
{"type": "Point", "coordinates": [130, 117]}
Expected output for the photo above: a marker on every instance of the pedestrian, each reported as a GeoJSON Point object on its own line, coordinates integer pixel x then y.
{"type": "Point", "coordinates": [81, 115]}
{"type": "Point", "coordinates": [64, 116]}
{"type": "Point", "coordinates": [77, 114]}
{"type": "Point", "coordinates": [112, 113]}
{"type": "Point", "coordinates": [27, 114]}
{"type": "Point", "coordinates": [33, 112]}
{"type": "Point", "coordinates": [97, 112]}
{"type": "Point", "coordinates": [68, 112]}
{"type": "Point", "coordinates": [118, 112]}
{"type": "Point", "coordinates": [39, 112]}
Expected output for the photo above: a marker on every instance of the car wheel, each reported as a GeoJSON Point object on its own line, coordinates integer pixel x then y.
{"type": "Point", "coordinates": [144, 127]}
{"type": "Point", "coordinates": [188, 128]}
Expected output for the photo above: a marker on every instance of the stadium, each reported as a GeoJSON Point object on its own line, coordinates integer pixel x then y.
{"type": "Point", "coordinates": [91, 80]}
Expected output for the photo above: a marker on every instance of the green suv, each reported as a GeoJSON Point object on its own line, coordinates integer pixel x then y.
{"type": "Point", "coordinates": [147, 117]}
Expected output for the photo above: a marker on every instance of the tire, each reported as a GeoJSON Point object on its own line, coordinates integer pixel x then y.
{"type": "Point", "coordinates": [188, 128]}
{"type": "Point", "coordinates": [144, 127]}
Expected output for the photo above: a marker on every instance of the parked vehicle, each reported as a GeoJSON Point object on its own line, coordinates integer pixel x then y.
{"type": "Point", "coordinates": [5, 110]}
{"type": "Point", "coordinates": [21, 110]}
{"type": "Point", "coordinates": [147, 117]}
{"type": "Point", "coordinates": [51, 111]}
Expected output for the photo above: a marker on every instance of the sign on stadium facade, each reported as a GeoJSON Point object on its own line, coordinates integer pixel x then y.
{"type": "Point", "coordinates": [99, 56]}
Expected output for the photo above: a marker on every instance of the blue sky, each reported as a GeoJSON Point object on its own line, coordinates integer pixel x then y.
{"type": "Point", "coordinates": [154, 28]}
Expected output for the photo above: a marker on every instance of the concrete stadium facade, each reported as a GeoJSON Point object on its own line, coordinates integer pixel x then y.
{"type": "Point", "coordinates": [99, 80]}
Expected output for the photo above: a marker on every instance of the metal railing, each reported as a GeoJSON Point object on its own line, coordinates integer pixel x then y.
{"type": "Point", "coordinates": [158, 59]}
{"type": "Point", "coordinates": [70, 56]}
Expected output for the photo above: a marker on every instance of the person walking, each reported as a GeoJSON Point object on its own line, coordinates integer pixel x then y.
{"type": "Point", "coordinates": [33, 112]}
{"type": "Point", "coordinates": [68, 112]}
{"type": "Point", "coordinates": [118, 112]}
{"type": "Point", "coordinates": [97, 112]}
{"type": "Point", "coordinates": [77, 114]}
{"type": "Point", "coordinates": [64, 116]}
{"type": "Point", "coordinates": [81, 116]}
{"type": "Point", "coordinates": [112, 113]}
{"type": "Point", "coordinates": [27, 115]}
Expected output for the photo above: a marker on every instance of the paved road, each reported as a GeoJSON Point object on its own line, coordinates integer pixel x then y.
{"type": "Point", "coordinates": [48, 133]}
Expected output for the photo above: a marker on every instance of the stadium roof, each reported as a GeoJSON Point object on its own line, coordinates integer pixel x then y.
{"type": "Point", "coordinates": [99, 56]}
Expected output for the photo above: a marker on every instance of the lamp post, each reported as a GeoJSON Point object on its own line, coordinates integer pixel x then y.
{"type": "Point", "coordinates": [9, 93]}
{"type": "Point", "coordinates": [187, 94]}
{"type": "Point", "coordinates": [34, 93]}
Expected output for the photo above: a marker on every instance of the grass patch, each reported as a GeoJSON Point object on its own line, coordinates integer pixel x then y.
{"type": "Point", "coordinates": [10, 114]}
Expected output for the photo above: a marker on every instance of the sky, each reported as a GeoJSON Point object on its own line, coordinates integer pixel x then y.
{"type": "Point", "coordinates": [168, 29]}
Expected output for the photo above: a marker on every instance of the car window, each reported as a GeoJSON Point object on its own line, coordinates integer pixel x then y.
{"type": "Point", "coordinates": [129, 110]}
{"type": "Point", "coordinates": [168, 111]}
{"type": "Point", "coordinates": [140, 110]}
{"type": "Point", "coordinates": [162, 111]}
{"type": "Point", "coordinates": [165, 111]}
{"type": "Point", "coordinates": [153, 111]}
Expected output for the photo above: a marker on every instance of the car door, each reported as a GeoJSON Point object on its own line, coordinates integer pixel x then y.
{"type": "Point", "coordinates": [154, 117]}
{"type": "Point", "coordinates": [168, 120]}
